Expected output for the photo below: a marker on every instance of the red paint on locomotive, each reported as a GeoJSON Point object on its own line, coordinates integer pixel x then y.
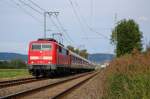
{"type": "Point", "coordinates": [42, 52]}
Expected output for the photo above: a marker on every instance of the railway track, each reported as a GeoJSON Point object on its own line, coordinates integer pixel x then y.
{"type": "Point", "coordinates": [17, 82]}
{"type": "Point", "coordinates": [55, 87]}
{"type": "Point", "coordinates": [69, 90]}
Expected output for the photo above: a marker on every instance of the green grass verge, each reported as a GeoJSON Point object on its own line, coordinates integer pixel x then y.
{"type": "Point", "coordinates": [10, 73]}
{"type": "Point", "coordinates": [123, 86]}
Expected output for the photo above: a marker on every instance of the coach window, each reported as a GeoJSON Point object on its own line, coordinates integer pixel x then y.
{"type": "Point", "coordinates": [60, 49]}
{"type": "Point", "coordinates": [73, 59]}
{"type": "Point", "coordinates": [76, 60]}
{"type": "Point", "coordinates": [64, 51]}
{"type": "Point", "coordinates": [67, 52]}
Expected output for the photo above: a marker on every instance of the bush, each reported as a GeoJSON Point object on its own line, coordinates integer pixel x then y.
{"type": "Point", "coordinates": [128, 77]}
{"type": "Point", "coordinates": [126, 87]}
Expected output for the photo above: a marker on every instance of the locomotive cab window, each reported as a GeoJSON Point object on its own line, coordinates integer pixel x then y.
{"type": "Point", "coordinates": [46, 47]}
{"type": "Point", "coordinates": [36, 46]}
{"type": "Point", "coordinates": [41, 47]}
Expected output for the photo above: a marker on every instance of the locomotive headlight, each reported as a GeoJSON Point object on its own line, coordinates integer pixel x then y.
{"type": "Point", "coordinates": [34, 57]}
{"type": "Point", "coordinates": [47, 57]}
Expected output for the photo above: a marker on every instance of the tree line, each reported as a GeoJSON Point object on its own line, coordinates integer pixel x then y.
{"type": "Point", "coordinates": [82, 53]}
{"type": "Point", "coordinates": [13, 64]}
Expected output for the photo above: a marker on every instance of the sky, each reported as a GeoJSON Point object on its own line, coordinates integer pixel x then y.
{"type": "Point", "coordinates": [88, 23]}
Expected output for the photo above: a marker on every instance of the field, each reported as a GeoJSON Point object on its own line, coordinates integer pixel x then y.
{"type": "Point", "coordinates": [13, 73]}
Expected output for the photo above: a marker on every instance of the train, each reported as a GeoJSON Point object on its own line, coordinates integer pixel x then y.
{"type": "Point", "coordinates": [47, 57]}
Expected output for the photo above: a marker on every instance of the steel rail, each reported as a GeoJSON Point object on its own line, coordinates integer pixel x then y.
{"type": "Point", "coordinates": [17, 82]}
{"type": "Point", "coordinates": [67, 91]}
{"type": "Point", "coordinates": [18, 94]}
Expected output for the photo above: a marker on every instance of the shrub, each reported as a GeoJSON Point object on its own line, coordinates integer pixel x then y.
{"type": "Point", "coordinates": [128, 77]}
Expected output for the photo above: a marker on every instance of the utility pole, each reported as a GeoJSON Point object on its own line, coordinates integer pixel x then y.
{"type": "Point", "coordinates": [45, 15]}
{"type": "Point", "coordinates": [44, 24]}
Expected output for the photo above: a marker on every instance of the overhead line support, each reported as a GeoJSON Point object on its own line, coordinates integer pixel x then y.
{"type": "Point", "coordinates": [50, 14]}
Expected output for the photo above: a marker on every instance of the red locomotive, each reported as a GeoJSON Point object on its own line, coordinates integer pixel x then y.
{"type": "Point", "coordinates": [47, 57]}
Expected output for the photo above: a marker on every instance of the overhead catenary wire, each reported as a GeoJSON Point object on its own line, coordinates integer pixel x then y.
{"type": "Point", "coordinates": [91, 1]}
{"type": "Point", "coordinates": [28, 5]}
{"type": "Point", "coordinates": [77, 16]}
{"type": "Point", "coordinates": [41, 13]}
{"type": "Point", "coordinates": [36, 5]}
{"type": "Point", "coordinates": [82, 19]}
{"type": "Point", "coordinates": [90, 28]}
{"type": "Point", "coordinates": [58, 28]}
{"type": "Point", "coordinates": [17, 5]}
{"type": "Point", "coordinates": [61, 27]}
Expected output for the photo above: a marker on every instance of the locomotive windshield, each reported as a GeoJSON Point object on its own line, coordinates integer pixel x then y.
{"type": "Point", "coordinates": [41, 47]}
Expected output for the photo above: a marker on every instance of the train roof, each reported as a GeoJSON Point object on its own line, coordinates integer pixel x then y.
{"type": "Point", "coordinates": [76, 55]}
{"type": "Point", "coordinates": [47, 39]}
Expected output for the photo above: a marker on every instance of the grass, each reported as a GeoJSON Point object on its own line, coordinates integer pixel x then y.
{"type": "Point", "coordinates": [126, 87]}
{"type": "Point", "coordinates": [11, 73]}
{"type": "Point", "coordinates": [128, 77]}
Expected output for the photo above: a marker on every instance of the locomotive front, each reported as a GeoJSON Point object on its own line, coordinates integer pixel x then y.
{"type": "Point", "coordinates": [41, 57]}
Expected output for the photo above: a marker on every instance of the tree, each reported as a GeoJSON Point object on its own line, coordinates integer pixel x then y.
{"type": "Point", "coordinates": [77, 51]}
{"type": "Point", "coordinates": [13, 64]}
{"type": "Point", "coordinates": [82, 53]}
{"type": "Point", "coordinates": [126, 36]}
{"type": "Point", "coordinates": [71, 48]}
{"type": "Point", "coordinates": [18, 63]}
